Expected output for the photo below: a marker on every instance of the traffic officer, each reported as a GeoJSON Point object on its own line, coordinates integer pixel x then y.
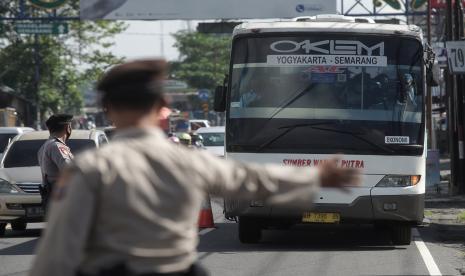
{"type": "Point", "coordinates": [131, 207]}
{"type": "Point", "coordinates": [185, 139]}
{"type": "Point", "coordinates": [54, 153]}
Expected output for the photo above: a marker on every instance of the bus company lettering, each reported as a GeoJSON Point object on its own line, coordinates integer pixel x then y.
{"type": "Point", "coordinates": [358, 164]}
{"type": "Point", "coordinates": [360, 60]}
{"type": "Point", "coordinates": [326, 60]}
{"type": "Point", "coordinates": [296, 59]}
{"type": "Point", "coordinates": [328, 47]}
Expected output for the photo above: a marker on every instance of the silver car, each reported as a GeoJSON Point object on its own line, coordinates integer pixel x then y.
{"type": "Point", "coordinates": [20, 175]}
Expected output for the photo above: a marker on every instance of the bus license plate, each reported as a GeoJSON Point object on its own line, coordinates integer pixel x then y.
{"type": "Point", "coordinates": [321, 217]}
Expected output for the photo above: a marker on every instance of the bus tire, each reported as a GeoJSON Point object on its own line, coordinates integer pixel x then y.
{"type": "Point", "coordinates": [401, 234]}
{"type": "Point", "coordinates": [2, 229]}
{"type": "Point", "coordinates": [249, 230]}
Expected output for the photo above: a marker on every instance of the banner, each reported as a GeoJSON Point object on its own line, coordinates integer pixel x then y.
{"type": "Point", "coordinates": [203, 9]}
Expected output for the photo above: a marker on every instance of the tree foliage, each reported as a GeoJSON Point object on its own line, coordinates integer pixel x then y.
{"type": "Point", "coordinates": [65, 63]}
{"type": "Point", "coordinates": [204, 58]}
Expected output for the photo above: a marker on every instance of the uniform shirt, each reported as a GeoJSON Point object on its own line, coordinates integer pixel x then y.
{"type": "Point", "coordinates": [137, 201]}
{"type": "Point", "coordinates": [53, 156]}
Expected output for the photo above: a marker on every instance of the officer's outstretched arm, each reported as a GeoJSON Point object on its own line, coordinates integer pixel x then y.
{"type": "Point", "coordinates": [273, 183]}
{"type": "Point", "coordinates": [60, 249]}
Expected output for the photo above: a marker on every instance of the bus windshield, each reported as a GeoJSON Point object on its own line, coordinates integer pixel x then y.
{"type": "Point", "coordinates": [311, 93]}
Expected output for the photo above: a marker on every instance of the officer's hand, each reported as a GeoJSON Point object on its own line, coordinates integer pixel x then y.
{"type": "Point", "coordinates": [335, 177]}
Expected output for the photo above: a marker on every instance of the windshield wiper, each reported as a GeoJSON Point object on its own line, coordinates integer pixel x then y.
{"type": "Point", "coordinates": [315, 126]}
{"type": "Point", "coordinates": [288, 129]}
{"type": "Point", "coordinates": [285, 104]}
{"type": "Point", "coordinates": [357, 135]}
{"type": "Point", "coordinates": [289, 101]}
{"type": "Point", "coordinates": [413, 146]}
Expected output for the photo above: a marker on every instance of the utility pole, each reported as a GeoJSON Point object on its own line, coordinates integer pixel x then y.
{"type": "Point", "coordinates": [429, 102]}
{"type": "Point", "coordinates": [37, 77]}
{"type": "Point", "coordinates": [162, 39]}
{"type": "Point", "coordinates": [460, 89]}
{"type": "Point", "coordinates": [451, 96]}
{"type": "Point", "coordinates": [455, 92]}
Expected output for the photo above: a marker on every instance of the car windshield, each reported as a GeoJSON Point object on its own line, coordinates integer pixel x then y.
{"type": "Point", "coordinates": [213, 139]}
{"type": "Point", "coordinates": [318, 93]}
{"type": "Point", "coordinates": [24, 153]}
{"type": "Point", "coordinates": [4, 139]}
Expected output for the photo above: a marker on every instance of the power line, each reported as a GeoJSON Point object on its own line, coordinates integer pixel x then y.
{"type": "Point", "coordinates": [144, 34]}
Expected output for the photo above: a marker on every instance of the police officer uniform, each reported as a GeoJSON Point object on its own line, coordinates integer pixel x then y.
{"type": "Point", "coordinates": [53, 156]}
{"type": "Point", "coordinates": [136, 201]}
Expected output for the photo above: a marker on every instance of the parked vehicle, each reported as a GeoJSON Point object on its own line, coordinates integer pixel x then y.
{"type": "Point", "coordinates": [20, 175]}
{"type": "Point", "coordinates": [8, 133]}
{"type": "Point", "coordinates": [213, 139]}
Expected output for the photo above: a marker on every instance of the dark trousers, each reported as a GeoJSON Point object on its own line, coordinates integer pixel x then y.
{"type": "Point", "coordinates": [122, 270]}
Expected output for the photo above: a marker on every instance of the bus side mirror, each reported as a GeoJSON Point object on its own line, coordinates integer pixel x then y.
{"type": "Point", "coordinates": [433, 74]}
{"type": "Point", "coordinates": [219, 104]}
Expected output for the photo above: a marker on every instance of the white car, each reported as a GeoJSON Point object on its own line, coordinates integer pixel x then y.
{"type": "Point", "coordinates": [8, 133]}
{"type": "Point", "coordinates": [213, 139]}
{"type": "Point", "coordinates": [20, 175]}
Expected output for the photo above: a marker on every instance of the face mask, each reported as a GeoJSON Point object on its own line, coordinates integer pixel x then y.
{"type": "Point", "coordinates": [68, 132]}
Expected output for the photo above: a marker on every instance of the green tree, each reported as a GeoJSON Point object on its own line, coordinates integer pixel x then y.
{"type": "Point", "coordinates": [65, 62]}
{"type": "Point", "coordinates": [204, 58]}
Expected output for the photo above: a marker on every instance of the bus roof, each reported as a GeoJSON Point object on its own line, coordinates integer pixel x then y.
{"type": "Point", "coordinates": [328, 27]}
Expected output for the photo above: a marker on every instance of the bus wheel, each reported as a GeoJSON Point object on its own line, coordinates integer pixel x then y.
{"type": "Point", "coordinates": [249, 230]}
{"type": "Point", "coordinates": [401, 234]}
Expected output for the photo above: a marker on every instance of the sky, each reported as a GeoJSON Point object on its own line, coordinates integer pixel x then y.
{"type": "Point", "coordinates": [150, 39]}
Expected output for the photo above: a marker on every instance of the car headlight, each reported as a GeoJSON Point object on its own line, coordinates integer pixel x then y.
{"type": "Point", "coordinates": [7, 188]}
{"type": "Point", "coordinates": [399, 181]}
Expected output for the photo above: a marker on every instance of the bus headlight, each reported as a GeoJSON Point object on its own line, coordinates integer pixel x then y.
{"type": "Point", "coordinates": [7, 188]}
{"type": "Point", "coordinates": [399, 181]}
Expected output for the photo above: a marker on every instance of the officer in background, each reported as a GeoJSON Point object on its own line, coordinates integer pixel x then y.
{"type": "Point", "coordinates": [54, 153]}
{"type": "Point", "coordinates": [131, 207]}
{"type": "Point", "coordinates": [185, 139]}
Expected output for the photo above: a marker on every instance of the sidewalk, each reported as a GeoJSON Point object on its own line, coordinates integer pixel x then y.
{"type": "Point", "coordinates": [446, 217]}
{"type": "Point", "coordinates": [445, 212]}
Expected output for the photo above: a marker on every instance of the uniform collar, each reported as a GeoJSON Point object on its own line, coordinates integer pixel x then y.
{"type": "Point", "coordinates": [57, 139]}
{"type": "Point", "coordinates": [139, 132]}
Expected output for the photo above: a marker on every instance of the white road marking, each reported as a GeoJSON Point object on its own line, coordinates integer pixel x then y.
{"type": "Point", "coordinates": [425, 254]}
{"type": "Point", "coordinates": [206, 230]}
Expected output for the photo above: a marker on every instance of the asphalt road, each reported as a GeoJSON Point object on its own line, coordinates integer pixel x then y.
{"type": "Point", "coordinates": [302, 250]}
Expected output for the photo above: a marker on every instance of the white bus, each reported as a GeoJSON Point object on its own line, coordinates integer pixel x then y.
{"type": "Point", "coordinates": [300, 91]}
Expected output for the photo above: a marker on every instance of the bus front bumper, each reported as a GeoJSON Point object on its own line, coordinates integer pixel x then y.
{"type": "Point", "coordinates": [365, 209]}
